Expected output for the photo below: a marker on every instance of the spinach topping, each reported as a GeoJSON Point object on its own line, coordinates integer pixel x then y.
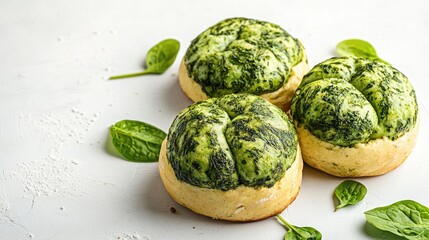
{"type": "Point", "coordinates": [242, 55]}
{"type": "Point", "coordinates": [347, 100]}
{"type": "Point", "coordinates": [236, 139]}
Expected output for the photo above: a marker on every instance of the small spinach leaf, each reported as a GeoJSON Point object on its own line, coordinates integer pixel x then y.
{"type": "Point", "coordinates": [137, 141]}
{"type": "Point", "coordinates": [405, 218]}
{"type": "Point", "coordinates": [159, 58]}
{"type": "Point", "coordinates": [299, 233]}
{"type": "Point", "coordinates": [349, 192]}
{"type": "Point", "coordinates": [358, 48]}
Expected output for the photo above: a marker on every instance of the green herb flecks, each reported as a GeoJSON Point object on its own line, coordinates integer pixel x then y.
{"type": "Point", "coordinates": [299, 233]}
{"type": "Point", "coordinates": [358, 48]}
{"type": "Point", "coordinates": [137, 141]}
{"type": "Point", "coordinates": [349, 192]}
{"type": "Point", "coordinates": [407, 218]}
{"type": "Point", "coordinates": [240, 55]}
{"type": "Point", "coordinates": [349, 100]}
{"type": "Point", "coordinates": [237, 139]}
{"type": "Point", "coordinates": [159, 58]}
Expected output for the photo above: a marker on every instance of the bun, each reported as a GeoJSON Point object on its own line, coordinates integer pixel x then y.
{"type": "Point", "coordinates": [240, 55]}
{"type": "Point", "coordinates": [355, 117]}
{"type": "Point", "coordinates": [242, 204]}
{"type": "Point", "coordinates": [234, 158]}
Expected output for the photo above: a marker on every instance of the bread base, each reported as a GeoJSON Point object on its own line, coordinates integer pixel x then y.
{"type": "Point", "coordinates": [374, 158]}
{"type": "Point", "coordinates": [282, 97]}
{"type": "Point", "coordinates": [241, 204]}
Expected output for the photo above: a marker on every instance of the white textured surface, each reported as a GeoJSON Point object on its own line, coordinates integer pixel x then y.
{"type": "Point", "coordinates": [57, 177]}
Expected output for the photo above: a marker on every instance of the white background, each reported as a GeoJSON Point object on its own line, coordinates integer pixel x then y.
{"type": "Point", "coordinates": [58, 178]}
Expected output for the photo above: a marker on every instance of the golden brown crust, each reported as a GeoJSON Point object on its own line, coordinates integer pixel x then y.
{"type": "Point", "coordinates": [241, 204]}
{"type": "Point", "coordinates": [282, 97]}
{"type": "Point", "coordinates": [374, 158]}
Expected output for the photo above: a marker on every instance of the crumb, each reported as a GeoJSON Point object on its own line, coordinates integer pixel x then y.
{"type": "Point", "coordinates": [173, 210]}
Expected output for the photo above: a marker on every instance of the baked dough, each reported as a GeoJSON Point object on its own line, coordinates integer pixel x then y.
{"type": "Point", "coordinates": [235, 158]}
{"type": "Point", "coordinates": [355, 117]}
{"type": "Point", "coordinates": [241, 204]}
{"type": "Point", "coordinates": [373, 158]}
{"type": "Point", "coordinates": [242, 55]}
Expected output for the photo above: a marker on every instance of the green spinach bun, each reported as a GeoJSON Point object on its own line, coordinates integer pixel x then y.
{"type": "Point", "coordinates": [240, 55]}
{"type": "Point", "coordinates": [234, 158]}
{"type": "Point", "coordinates": [355, 117]}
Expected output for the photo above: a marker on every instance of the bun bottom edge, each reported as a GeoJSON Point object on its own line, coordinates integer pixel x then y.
{"type": "Point", "coordinates": [374, 158]}
{"type": "Point", "coordinates": [243, 204]}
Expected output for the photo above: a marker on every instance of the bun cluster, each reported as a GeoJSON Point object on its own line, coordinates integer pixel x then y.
{"type": "Point", "coordinates": [233, 155]}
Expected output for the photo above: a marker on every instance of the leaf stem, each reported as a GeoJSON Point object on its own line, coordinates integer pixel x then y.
{"type": "Point", "coordinates": [282, 220]}
{"type": "Point", "coordinates": [339, 207]}
{"type": "Point", "coordinates": [129, 75]}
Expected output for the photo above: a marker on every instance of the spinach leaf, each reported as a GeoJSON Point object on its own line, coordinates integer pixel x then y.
{"type": "Point", "coordinates": [159, 58]}
{"type": "Point", "coordinates": [358, 48]}
{"type": "Point", "coordinates": [137, 141]}
{"type": "Point", "coordinates": [405, 218]}
{"type": "Point", "coordinates": [299, 233]}
{"type": "Point", "coordinates": [349, 192]}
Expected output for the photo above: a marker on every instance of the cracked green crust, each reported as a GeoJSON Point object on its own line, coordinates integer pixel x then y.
{"type": "Point", "coordinates": [345, 101]}
{"type": "Point", "coordinates": [236, 139]}
{"type": "Point", "coordinates": [240, 55]}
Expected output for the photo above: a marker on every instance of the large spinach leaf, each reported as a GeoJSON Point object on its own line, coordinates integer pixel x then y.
{"type": "Point", "coordinates": [406, 218]}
